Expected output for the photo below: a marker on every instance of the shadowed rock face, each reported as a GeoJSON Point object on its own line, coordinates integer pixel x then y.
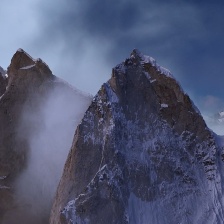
{"type": "Point", "coordinates": [3, 81]}
{"type": "Point", "coordinates": [30, 83]}
{"type": "Point", "coordinates": [22, 83]}
{"type": "Point", "coordinates": [142, 154]}
{"type": "Point", "coordinates": [2, 70]}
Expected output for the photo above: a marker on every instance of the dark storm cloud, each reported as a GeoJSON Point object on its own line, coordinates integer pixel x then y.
{"type": "Point", "coordinates": [111, 29]}
{"type": "Point", "coordinates": [185, 37]}
{"type": "Point", "coordinates": [83, 40]}
{"type": "Point", "coordinates": [109, 17]}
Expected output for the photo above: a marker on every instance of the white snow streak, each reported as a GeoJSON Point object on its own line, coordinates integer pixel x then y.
{"type": "Point", "coordinates": [28, 67]}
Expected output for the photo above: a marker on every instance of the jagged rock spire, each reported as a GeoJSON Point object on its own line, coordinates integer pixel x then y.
{"type": "Point", "coordinates": [22, 61]}
{"type": "Point", "coordinates": [141, 152]}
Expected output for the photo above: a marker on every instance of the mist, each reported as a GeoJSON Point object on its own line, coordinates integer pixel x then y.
{"type": "Point", "coordinates": [48, 125]}
{"type": "Point", "coordinates": [213, 123]}
{"type": "Point", "coordinates": [210, 106]}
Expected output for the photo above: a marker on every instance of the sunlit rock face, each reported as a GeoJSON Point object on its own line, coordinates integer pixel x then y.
{"type": "Point", "coordinates": [141, 155]}
{"type": "Point", "coordinates": [36, 110]}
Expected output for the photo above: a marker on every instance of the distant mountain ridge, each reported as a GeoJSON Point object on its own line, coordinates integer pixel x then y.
{"type": "Point", "coordinates": [220, 116]}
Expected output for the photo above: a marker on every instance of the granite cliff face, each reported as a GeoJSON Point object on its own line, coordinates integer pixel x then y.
{"type": "Point", "coordinates": [36, 108]}
{"type": "Point", "coordinates": [141, 155]}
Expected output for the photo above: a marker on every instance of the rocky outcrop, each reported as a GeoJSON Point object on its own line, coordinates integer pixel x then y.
{"type": "Point", "coordinates": [24, 80]}
{"type": "Point", "coordinates": [30, 82]}
{"type": "Point", "coordinates": [3, 81]}
{"type": "Point", "coordinates": [142, 154]}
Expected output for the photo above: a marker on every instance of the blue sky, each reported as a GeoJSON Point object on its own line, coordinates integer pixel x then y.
{"type": "Point", "coordinates": [82, 40]}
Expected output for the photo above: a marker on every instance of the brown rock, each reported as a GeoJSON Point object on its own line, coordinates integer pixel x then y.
{"type": "Point", "coordinates": [29, 84]}
{"type": "Point", "coordinates": [142, 154]}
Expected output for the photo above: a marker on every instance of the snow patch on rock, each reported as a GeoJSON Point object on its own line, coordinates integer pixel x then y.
{"type": "Point", "coordinates": [164, 105]}
{"type": "Point", "coordinates": [145, 59]}
{"type": "Point", "coordinates": [28, 67]}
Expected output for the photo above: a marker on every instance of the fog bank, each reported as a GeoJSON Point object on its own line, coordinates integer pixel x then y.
{"type": "Point", "coordinates": [48, 127]}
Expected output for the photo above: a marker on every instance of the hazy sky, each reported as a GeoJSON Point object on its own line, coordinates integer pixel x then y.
{"type": "Point", "coordinates": [82, 40]}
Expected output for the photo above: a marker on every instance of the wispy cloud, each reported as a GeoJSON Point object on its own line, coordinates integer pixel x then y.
{"type": "Point", "coordinates": [210, 106]}
{"type": "Point", "coordinates": [82, 40]}
{"type": "Point", "coordinates": [48, 129]}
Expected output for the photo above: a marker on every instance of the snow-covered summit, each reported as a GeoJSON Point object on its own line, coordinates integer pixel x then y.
{"type": "Point", "coordinates": [137, 57]}
{"type": "Point", "coordinates": [145, 59]}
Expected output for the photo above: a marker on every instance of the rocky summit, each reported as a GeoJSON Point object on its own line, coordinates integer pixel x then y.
{"type": "Point", "coordinates": [30, 124]}
{"type": "Point", "coordinates": [141, 155]}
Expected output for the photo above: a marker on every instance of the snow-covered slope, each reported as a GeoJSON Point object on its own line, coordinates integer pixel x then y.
{"type": "Point", "coordinates": [141, 155]}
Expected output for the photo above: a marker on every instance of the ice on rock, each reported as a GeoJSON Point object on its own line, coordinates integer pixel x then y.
{"type": "Point", "coordinates": [147, 75]}
{"type": "Point", "coordinates": [149, 60]}
{"type": "Point", "coordinates": [152, 81]}
{"type": "Point", "coordinates": [111, 94]}
{"type": "Point", "coordinates": [2, 177]}
{"type": "Point", "coordinates": [20, 50]}
{"type": "Point", "coordinates": [163, 105]}
{"type": "Point", "coordinates": [28, 67]}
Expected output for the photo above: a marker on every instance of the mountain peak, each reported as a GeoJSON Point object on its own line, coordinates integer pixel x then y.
{"type": "Point", "coordinates": [145, 59]}
{"type": "Point", "coordinates": [147, 146]}
{"type": "Point", "coordinates": [145, 62]}
{"type": "Point", "coordinates": [20, 50]}
{"type": "Point", "coordinates": [136, 52]}
{"type": "Point", "coordinates": [21, 61]}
